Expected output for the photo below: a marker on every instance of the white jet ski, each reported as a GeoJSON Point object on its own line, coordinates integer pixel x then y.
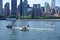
{"type": "Point", "coordinates": [26, 28]}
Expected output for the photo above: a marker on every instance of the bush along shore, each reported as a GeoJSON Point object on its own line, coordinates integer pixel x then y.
{"type": "Point", "coordinates": [28, 17]}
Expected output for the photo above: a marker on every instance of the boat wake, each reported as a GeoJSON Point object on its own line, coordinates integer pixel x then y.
{"type": "Point", "coordinates": [40, 29]}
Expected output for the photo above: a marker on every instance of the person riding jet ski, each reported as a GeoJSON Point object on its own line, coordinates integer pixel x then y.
{"type": "Point", "coordinates": [26, 28]}
{"type": "Point", "coordinates": [9, 26]}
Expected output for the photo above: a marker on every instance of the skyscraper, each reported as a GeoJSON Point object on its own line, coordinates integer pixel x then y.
{"type": "Point", "coordinates": [25, 8]}
{"type": "Point", "coordinates": [52, 3]}
{"type": "Point", "coordinates": [20, 8]}
{"type": "Point", "coordinates": [57, 9]}
{"type": "Point", "coordinates": [37, 10]}
{"type": "Point", "coordinates": [6, 9]}
{"type": "Point", "coordinates": [14, 7]}
{"type": "Point", "coordinates": [42, 9]}
{"type": "Point", "coordinates": [47, 9]}
{"type": "Point", "coordinates": [0, 7]}
{"type": "Point", "coordinates": [52, 11]}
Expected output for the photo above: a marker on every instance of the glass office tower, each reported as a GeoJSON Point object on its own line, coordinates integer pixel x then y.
{"type": "Point", "coordinates": [0, 7]}
{"type": "Point", "coordinates": [14, 7]}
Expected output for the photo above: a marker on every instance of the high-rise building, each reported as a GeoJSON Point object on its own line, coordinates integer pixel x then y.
{"type": "Point", "coordinates": [20, 8]}
{"type": "Point", "coordinates": [57, 9]}
{"type": "Point", "coordinates": [34, 10]}
{"type": "Point", "coordinates": [30, 11]}
{"type": "Point", "coordinates": [52, 3]}
{"type": "Point", "coordinates": [47, 9]}
{"type": "Point", "coordinates": [25, 8]}
{"type": "Point", "coordinates": [1, 7]}
{"type": "Point", "coordinates": [14, 7]}
{"type": "Point", "coordinates": [7, 9]}
{"type": "Point", "coordinates": [42, 9]}
{"type": "Point", "coordinates": [37, 10]}
{"type": "Point", "coordinates": [52, 11]}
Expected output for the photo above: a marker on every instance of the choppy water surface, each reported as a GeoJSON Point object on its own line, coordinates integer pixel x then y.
{"type": "Point", "coordinates": [14, 34]}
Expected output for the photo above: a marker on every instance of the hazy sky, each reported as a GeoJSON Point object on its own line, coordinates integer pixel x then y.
{"type": "Point", "coordinates": [31, 2]}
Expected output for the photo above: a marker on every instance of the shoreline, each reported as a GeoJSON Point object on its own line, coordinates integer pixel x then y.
{"type": "Point", "coordinates": [39, 19]}
{"type": "Point", "coordinates": [31, 19]}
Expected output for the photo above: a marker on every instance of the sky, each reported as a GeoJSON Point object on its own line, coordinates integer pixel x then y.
{"type": "Point", "coordinates": [31, 2]}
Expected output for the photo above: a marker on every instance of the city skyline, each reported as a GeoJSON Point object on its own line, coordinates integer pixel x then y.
{"type": "Point", "coordinates": [25, 10]}
{"type": "Point", "coordinates": [32, 2]}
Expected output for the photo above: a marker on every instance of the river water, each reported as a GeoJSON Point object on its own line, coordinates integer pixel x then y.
{"type": "Point", "coordinates": [14, 34]}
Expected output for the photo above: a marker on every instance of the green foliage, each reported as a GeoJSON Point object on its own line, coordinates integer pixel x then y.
{"type": "Point", "coordinates": [40, 17]}
{"type": "Point", "coordinates": [29, 17]}
{"type": "Point", "coordinates": [1, 16]}
{"type": "Point", "coordinates": [47, 17]}
{"type": "Point", "coordinates": [26, 17]}
{"type": "Point", "coordinates": [13, 13]}
{"type": "Point", "coordinates": [12, 16]}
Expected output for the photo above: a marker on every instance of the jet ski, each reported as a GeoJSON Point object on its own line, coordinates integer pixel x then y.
{"type": "Point", "coordinates": [9, 26]}
{"type": "Point", "coordinates": [26, 28]}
